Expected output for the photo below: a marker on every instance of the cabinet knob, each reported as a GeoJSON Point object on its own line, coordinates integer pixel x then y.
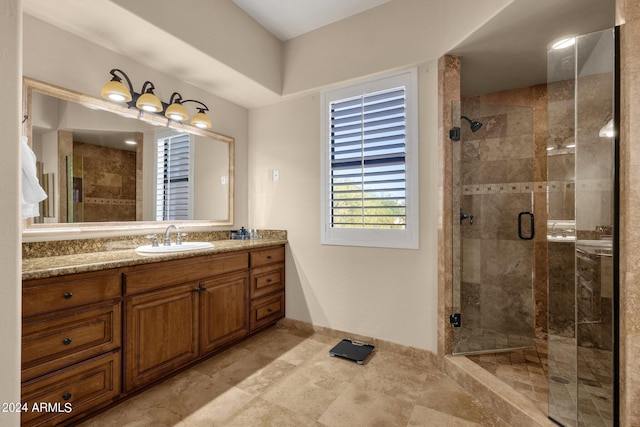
{"type": "Point", "coordinates": [66, 341]}
{"type": "Point", "coordinates": [67, 295]}
{"type": "Point", "coordinates": [203, 288]}
{"type": "Point", "coordinates": [269, 310]}
{"type": "Point", "coordinates": [196, 290]}
{"type": "Point", "coordinates": [66, 396]}
{"type": "Point", "coordinates": [268, 256]}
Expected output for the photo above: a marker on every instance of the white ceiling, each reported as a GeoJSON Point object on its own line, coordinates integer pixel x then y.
{"type": "Point", "coordinates": [508, 52]}
{"type": "Point", "coordinates": [287, 19]}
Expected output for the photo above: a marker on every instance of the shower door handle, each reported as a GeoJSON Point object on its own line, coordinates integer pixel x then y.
{"type": "Point", "coordinates": [532, 226]}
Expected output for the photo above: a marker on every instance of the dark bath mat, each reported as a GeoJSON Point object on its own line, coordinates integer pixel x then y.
{"type": "Point", "coordinates": [352, 350]}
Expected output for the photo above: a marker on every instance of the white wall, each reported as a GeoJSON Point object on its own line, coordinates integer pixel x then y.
{"type": "Point", "coordinates": [55, 56]}
{"type": "Point", "coordinates": [10, 252]}
{"type": "Point", "coordinates": [387, 293]}
{"type": "Point", "coordinates": [395, 34]}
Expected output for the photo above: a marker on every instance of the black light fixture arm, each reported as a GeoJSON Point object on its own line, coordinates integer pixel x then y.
{"type": "Point", "coordinates": [148, 86]}
{"type": "Point", "coordinates": [200, 109]}
{"type": "Point", "coordinates": [175, 98]}
{"type": "Point", "coordinates": [119, 79]}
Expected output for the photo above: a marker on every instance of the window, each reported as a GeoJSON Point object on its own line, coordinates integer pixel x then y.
{"type": "Point", "coordinates": [174, 196]}
{"type": "Point", "coordinates": [370, 156]}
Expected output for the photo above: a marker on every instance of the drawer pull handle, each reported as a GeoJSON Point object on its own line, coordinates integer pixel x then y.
{"type": "Point", "coordinates": [204, 288]}
{"type": "Point", "coordinates": [269, 280]}
{"type": "Point", "coordinates": [196, 290]}
{"type": "Point", "coordinates": [66, 396]}
{"type": "Point", "coordinates": [268, 256]}
{"type": "Point", "coordinates": [67, 295]}
{"type": "Point", "coordinates": [269, 310]}
{"type": "Point", "coordinates": [66, 341]}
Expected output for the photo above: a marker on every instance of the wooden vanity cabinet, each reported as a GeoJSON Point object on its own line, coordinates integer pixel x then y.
{"type": "Point", "coordinates": [90, 339]}
{"type": "Point", "coordinates": [71, 330]}
{"type": "Point", "coordinates": [161, 334]}
{"type": "Point", "coordinates": [224, 311]}
{"type": "Point", "coordinates": [267, 287]}
{"type": "Point", "coordinates": [171, 327]}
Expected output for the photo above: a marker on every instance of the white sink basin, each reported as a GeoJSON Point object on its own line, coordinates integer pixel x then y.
{"type": "Point", "coordinates": [185, 246]}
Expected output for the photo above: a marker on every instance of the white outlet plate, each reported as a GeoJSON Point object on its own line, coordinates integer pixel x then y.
{"type": "Point", "coordinates": [223, 180]}
{"type": "Point", "coordinates": [276, 175]}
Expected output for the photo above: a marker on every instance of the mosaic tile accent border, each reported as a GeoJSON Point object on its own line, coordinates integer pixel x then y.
{"type": "Point", "coordinates": [537, 187]}
{"type": "Point", "coordinates": [100, 201]}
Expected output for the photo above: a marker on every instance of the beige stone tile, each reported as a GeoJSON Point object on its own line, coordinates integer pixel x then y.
{"type": "Point", "coordinates": [216, 410]}
{"type": "Point", "coordinates": [299, 393]}
{"type": "Point", "coordinates": [220, 361]}
{"type": "Point", "coordinates": [448, 397]}
{"type": "Point", "coordinates": [361, 407]}
{"type": "Point", "coordinates": [400, 376]}
{"type": "Point", "coordinates": [264, 413]}
{"type": "Point", "coordinates": [427, 417]}
{"type": "Point", "coordinates": [331, 372]}
{"type": "Point", "coordinates": [254, 373]}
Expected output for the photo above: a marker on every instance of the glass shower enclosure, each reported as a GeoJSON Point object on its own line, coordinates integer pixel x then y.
{"type": "Point", "coordinates": [581, 170]}
{"type": "Point", "coordinates": [535, 231]}
{"type": "Point", "coordinates": [493, 235]}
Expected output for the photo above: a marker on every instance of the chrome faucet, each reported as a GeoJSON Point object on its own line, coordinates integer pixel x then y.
{"type": "Point", "coordinates": [167, 234]}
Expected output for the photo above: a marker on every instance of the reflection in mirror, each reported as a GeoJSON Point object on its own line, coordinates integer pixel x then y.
{"type": "Point", "coordinates": [103, 163]}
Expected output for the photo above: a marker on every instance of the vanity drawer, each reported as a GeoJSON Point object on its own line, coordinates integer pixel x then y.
{"type": "Point", "coordinates": [266, 310]}
{"type": "Point", "coordinates": [60, 341]}
{"type": "Point", "coordinates": [266, 280]}
{"type": "Point", "coordinates": [43, 296]}
{"type": "Point", "coordinates": [267, 256]}
{"type": "Point", "coordinates": [171, 273]}
{"type": "Point", "coordinates": [81, 387]}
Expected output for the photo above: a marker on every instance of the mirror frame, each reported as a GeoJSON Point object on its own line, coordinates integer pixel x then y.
{"type": "Point", "coordinates": [63, 231]}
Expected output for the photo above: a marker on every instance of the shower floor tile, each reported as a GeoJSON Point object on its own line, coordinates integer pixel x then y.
{"type": "Point", "coordinates": [525, 370]}
{"type": "Point", "coordinates": [531, 372]}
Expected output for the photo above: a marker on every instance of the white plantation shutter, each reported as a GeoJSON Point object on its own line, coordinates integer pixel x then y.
{"type": "Point", "coordinates": [369, 181]}
{"type": "Point", "coordinates": [368, 149]}
{"type": "Point", "coordinates": [173, 190]}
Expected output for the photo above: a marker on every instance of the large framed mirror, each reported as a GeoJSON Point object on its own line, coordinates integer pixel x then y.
{"type": "Point", "coordinates": [108, 168]}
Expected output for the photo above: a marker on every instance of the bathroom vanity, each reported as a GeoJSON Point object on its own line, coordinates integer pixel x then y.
{"type": "Point", "coordinates": [99, 327]}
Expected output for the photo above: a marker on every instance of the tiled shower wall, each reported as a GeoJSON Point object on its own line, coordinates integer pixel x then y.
{"type": "Point", "coordinates": [109, 183]}
{"type": "Point", "coordinates": [503, 172]}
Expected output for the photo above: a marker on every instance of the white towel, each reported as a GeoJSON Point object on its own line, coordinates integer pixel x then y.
{"type": "Point", "coordinates": [32, 193]}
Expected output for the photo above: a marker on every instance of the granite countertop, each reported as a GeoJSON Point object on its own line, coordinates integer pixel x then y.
{"type": "Point", "coordinates": [51, 266]}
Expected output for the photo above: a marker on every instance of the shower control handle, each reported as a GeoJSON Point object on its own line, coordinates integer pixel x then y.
{"type": "Point", "coordinates": [464, 216]}
{"type": "Point", "coordinates": [531, 225]}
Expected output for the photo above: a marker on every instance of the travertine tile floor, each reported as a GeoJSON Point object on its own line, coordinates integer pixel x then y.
{"type": "Point", "coordinates": [285, 377]}
{"type": "Point", "coordinates": [538, 374]}
{"type": "Point", "coordinates": [526, 370]}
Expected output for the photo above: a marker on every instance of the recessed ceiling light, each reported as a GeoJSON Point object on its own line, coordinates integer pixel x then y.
{"type": "Point", "coordinates": [131, 142]}
{"type": "Point", "coordinates": [563, 43]}
{"type": "Point", "coordinates": [550, 148]}
{"type": "Point", "coordinates": [571, 146]}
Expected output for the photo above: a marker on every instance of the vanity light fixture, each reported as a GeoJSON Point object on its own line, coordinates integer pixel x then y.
{"type": "Point", "coordinates": [115, 90]}
{"type": "Point", "coordinates": [176, 111]}
{"type": "Point", "coordinates": [146, 100]}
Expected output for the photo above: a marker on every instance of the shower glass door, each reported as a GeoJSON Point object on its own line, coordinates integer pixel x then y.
{"type": "Point", "coordinates": [581, 245]}
{"type": "Point", "coordinates": [493, 227]}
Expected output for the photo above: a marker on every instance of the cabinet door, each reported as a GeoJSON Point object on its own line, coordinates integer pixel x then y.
{"type": "Point", "coordinates": [71, 392]}
{"type": "Point", "coordinates": [162, 333]}
{"type": "Point", "coordinates": [224, 315]}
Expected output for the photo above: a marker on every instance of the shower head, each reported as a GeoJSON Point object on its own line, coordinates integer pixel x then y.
{"type": "Point", "coordinates": [473, 124]}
